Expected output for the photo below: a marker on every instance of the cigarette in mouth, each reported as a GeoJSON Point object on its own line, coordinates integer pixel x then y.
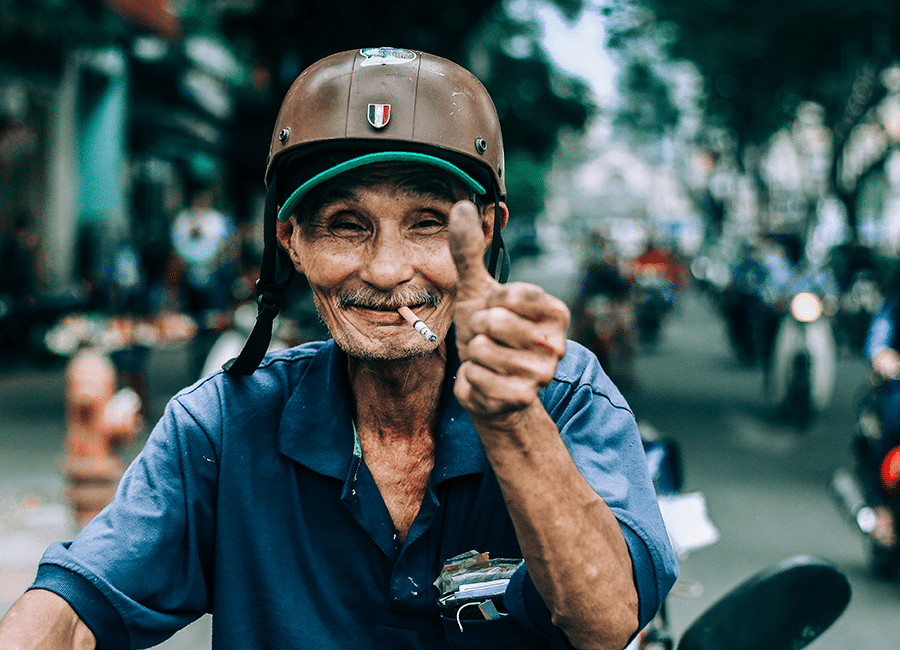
{"type": "Point", "coordinates": [414, 320]}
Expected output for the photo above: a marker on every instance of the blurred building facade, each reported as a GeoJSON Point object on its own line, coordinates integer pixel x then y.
{"type": "Point", "coordinates": [109, 120]}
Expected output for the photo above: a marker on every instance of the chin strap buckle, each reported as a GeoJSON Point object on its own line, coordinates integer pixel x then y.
{"type": "Point", "coordinates": [267, 302]}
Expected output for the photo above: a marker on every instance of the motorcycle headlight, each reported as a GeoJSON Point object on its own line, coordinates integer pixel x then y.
{"type": "Point", "coordinates": [806, 307]}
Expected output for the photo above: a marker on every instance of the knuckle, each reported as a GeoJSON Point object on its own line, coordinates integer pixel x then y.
{"type": "Point", "coordinates": [479, 346]}
{"type": "Point", "coordinates": [551, 339]}
{"type": "Point", "coordinates": [499, 320]}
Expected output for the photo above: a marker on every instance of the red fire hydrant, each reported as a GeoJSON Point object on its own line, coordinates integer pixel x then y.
{"type": "Point", "coordinates": [100, 420]}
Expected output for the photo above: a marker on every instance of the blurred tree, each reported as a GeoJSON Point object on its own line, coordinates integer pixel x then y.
{"type": "Point", "coordinates": [535, 101]}
{"type": "Point", "coordinates": [647, 110]}
{"type": "Point", "coordinates": [763, 59]}
{"type": "Point", "coordinates": [658, 112]}
{"type": "Point", "coordinates": [34, 34]}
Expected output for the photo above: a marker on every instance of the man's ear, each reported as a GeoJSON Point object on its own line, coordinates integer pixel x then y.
{"type": "Point", "coordinates": [284, 231]}
{"type": "Point", "coordinates": [487, 221]}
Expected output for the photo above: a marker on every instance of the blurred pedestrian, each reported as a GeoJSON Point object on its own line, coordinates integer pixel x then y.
{"type": "Point", "coordinates": [742, 302]}
{"type": "Point", "coordinates": [124, 297]}
{"type": "Point", "coordinates": [656, 260]}
{"type": "Point", "coordinates": [603, 313]}
{"type": "Point", "coordinates": [204, 242]}
{"type": "Point", "coordinates": [203, 239]}
{"type": "Point", "coordinates": [19, 286]}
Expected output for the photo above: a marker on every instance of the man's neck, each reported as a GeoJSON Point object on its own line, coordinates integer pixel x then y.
{"type": "Point", "coordinates": [397, 398]}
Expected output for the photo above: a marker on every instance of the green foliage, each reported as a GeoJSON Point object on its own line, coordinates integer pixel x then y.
{"type": "Point", "coordinates": [647, 110]}
{"type": "Point", "coordinates": [760, 59]}
{"type": "Point", "coordinates": [534, 100]}
{"type": "Point", "coordinates": [534, 103]}
{"type": "Point", "coordinates": [34, 34]}
{"type": "Point", "coordinates": [525, 183]}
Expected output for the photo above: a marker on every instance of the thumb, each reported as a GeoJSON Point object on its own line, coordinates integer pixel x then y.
{"type": "Point", "coordinates": [467, 247]}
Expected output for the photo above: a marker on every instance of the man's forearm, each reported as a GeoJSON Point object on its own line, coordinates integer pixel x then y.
{"type": "Point", "coordinates": [42, 620]}
{"type": "Point", "coordinates": [573, 545]}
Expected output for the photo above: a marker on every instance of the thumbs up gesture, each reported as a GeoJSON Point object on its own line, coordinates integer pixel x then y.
{"type": "Point", "coordinates": [510, 337]}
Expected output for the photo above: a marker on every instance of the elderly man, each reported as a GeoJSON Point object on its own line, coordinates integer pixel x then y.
{"type": "Point", "coordinates": [311, 499]}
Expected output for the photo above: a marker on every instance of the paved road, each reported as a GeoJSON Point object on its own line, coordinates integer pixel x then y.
{"type": "Point", "coordinates": [765, 483]}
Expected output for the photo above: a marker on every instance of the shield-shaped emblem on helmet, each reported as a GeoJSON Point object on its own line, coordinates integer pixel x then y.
{"type": "Point", "coordinates": [379, 115]}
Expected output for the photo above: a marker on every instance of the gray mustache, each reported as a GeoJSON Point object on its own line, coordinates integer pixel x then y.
{"type": "Point", "coordinates": [372, 299]}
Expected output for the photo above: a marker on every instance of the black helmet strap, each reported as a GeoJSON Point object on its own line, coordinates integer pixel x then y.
{"type": "Point", "coordinates": [498, 257]}
{"type": "Point", "coordinates": [275, 274]}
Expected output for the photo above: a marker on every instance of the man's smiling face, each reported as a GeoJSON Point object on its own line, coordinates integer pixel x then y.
{"type": "Point", "coordinates": [370, 243]}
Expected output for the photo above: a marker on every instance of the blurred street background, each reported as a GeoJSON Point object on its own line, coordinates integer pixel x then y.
{"type": "Point", "coordinates": [677, 172]}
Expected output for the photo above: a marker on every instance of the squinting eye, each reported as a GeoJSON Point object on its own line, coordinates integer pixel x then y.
{"type": "Point", "coordinates": [346, 225]}
{"type": "Point", "coordinates": [430, 222]}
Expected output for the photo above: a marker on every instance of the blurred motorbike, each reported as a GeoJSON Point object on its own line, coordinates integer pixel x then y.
{"type": "Point", "coordinates": [657, 276]}
{"type": "Point", "coordinates": [740, 304]}
{"type": "Point", "coordinates": [858, 303]}
{"type": "Point", "coordinates": [785, 607]}
{"type": "Point", "coordinates": [603, 317]}
{"type": "Point", "coordinates": [654, 299]}
{"type": "Point", "coordinates": [608, 331]}
{"type": "Point", "coordinates": [802, 367]}
{"type": "Point", "coordinates": [872, 482]}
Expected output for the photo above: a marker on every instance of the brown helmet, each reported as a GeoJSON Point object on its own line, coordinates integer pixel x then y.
{"type": "Point", "coordinates": [376, 104]}
{"type": "Point", "coordinates": [364, 106]}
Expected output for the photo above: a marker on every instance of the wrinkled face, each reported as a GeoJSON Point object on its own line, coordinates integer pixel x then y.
{"type": "Point", "coordinates": [369, 244]}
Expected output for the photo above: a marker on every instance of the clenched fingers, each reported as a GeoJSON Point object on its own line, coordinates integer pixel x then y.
{"type": "Point", "coordinates": [516, 339]}
{"type": "Point", "coordinates": [512, 331]}
{"type": "Point", "coordinates": [529, 301]}
{"type": "Point", "coordinates": [536, 364]}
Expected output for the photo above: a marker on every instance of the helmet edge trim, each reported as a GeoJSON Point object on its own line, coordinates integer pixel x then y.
{"type": "Point", "coordinates": [381, 156]}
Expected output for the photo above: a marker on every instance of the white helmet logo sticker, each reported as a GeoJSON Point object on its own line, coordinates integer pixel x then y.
{"type": "Point", "coordinates": [379, 115]}
{"type": "Point", "coordinates": [386, 56]}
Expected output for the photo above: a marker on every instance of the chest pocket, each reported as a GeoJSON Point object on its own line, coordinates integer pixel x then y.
{"type": "Point", "coordinates": [502, 634]}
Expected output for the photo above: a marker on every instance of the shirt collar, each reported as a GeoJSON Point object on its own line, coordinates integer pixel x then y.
{"type": "Point", "coordinates": [316, 428]}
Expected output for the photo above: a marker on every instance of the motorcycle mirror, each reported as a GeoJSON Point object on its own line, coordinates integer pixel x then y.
{"type": "Point", "coordinates": [785, 607]}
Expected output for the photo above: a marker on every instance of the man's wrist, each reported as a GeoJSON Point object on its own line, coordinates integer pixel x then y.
{"type": "Point", "coordinates": [520, 428]}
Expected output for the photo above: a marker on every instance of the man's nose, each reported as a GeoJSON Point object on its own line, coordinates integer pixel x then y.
{"type": "Point", "coordinates": [389, 262]}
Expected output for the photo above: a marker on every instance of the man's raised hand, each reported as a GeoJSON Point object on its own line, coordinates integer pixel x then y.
{"type": "Point", "coordinates": [510, 337]}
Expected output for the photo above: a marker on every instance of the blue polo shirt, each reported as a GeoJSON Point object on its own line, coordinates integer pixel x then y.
{"type": "Point", "coordinates": [250, 503]}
